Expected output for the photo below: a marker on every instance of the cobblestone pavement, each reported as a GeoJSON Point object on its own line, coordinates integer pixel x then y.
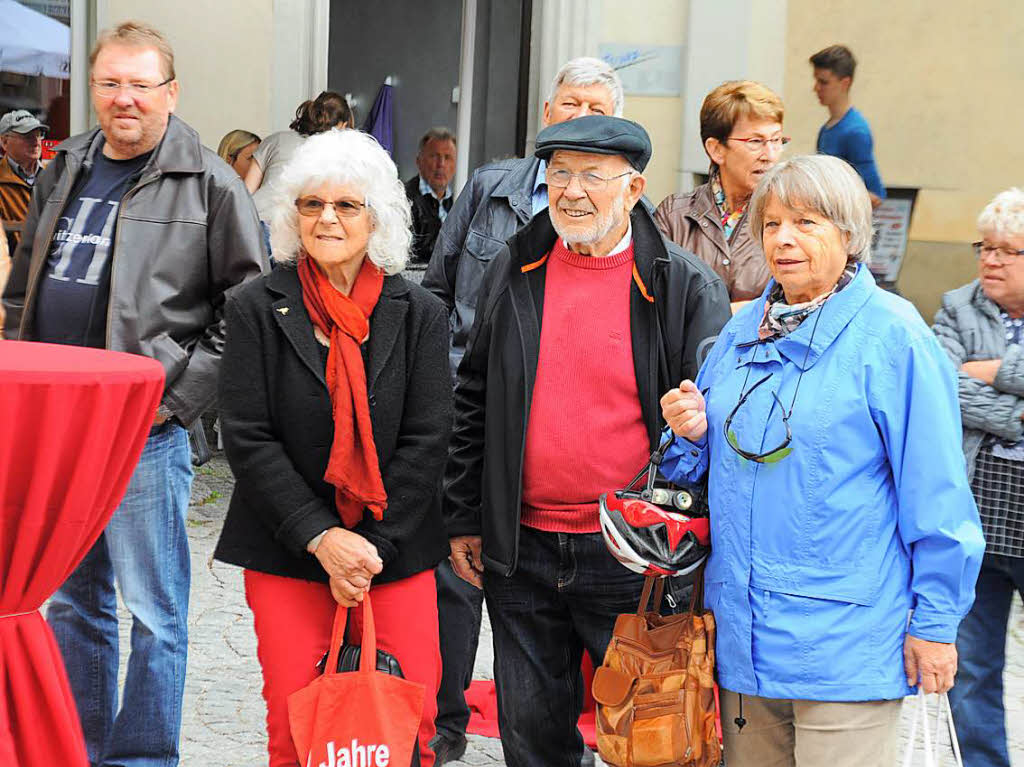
{"type": "Point", "coordinates": [223, 722]}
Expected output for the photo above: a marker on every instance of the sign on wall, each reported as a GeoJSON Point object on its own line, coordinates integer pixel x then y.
{"type": "Point", "coordinates": [891, 222]}
{"type": "Point", "coordinates": [645, 70]}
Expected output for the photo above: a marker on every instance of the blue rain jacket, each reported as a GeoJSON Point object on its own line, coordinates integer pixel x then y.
{"type": "Point", "coordinates": [817, 559]}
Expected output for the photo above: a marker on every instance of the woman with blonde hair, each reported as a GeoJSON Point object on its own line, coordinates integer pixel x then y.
{"type": "Point", "coordinates": [236, 149]}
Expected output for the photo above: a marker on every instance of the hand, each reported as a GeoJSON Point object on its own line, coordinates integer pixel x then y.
{"type": "Point", "coordinates": [684, 411]}
{"type": "Point", "coordinates": [875, 200]}
{"type": "Point", "coordinates": [348, 556]}
{"type": "Point", "coordinates": [465, 559]}
{"type": "Point", "coordinates": [933, 663]}
{"type": "Point", "coordinates": [983, 370]}
{"type": "Point", "coordinates": [346, 593]}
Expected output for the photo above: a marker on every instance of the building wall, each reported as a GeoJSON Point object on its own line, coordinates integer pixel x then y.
{"type": "Point", "coordinates": [222, 58]}
{"type": "Point", "coordinates": [940, 86]}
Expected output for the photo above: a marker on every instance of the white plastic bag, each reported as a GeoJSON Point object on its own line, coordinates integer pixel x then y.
{"type": "Point", "coordinates": [930, 750]}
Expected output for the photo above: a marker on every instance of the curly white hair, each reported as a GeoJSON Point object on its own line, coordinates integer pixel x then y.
{"type": "Point", "coordinates": [354, 159]}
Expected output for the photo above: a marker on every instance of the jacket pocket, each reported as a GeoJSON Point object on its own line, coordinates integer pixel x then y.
{"type": "Point", "coordinates": [477, 253]}
{"type": "Point", "coordinates": [857, 587]}
{"type": "Point", "coordinates": [169, 353]}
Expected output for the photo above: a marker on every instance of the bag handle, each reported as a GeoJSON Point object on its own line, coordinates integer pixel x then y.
{"type": "Point", "coordinates": [931, 740]}
{"type": "Point", "coordinates": [656, 584]}
{"type": "Point", "coordinates": [368, 648]}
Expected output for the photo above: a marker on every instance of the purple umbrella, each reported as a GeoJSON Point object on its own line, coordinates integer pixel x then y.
{"type": "Point", "coordinates": [379, 121]}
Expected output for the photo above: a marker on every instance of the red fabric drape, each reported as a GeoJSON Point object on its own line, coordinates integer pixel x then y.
{"type": "Point", "coordinates": [73, 423]}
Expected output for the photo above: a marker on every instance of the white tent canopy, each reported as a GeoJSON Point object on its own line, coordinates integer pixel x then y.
{"type": "Point", "coordinates": [32, 43]}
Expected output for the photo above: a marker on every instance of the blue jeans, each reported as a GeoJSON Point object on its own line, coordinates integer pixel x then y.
{"type": "Point", "coordinates": [562, 599]}
{"type": "Point", "coordinates": [144, 549]}
{"type": "Point", "coordinates": [977, 696]}
{"type": "Point", "coordinates": [459, 607]}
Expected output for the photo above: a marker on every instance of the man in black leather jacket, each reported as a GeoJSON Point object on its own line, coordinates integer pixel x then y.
{"type": "Point", "coordinates": [499, 199]}
{"type": "Point", "coordinates": [136, 233]}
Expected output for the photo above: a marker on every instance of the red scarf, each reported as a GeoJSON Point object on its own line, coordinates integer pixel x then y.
{"type": "Point", "coordinates": [352, 468]}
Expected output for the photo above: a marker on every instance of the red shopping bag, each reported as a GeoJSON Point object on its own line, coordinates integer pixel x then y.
{"type": "Point", "coordinates": [361, 718]}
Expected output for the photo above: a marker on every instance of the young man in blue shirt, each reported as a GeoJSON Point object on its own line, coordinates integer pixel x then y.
{"type": "Point", "coordinates": [846, 134]}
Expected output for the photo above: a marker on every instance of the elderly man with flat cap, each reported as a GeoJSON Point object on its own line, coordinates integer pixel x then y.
{"type": "Point", "coordinates": [585, 316]}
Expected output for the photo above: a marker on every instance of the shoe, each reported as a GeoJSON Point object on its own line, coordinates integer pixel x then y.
{"type": "Point", "coordinates": [588, 758]}
{"type": "Point", "coordinates": [448, 749]}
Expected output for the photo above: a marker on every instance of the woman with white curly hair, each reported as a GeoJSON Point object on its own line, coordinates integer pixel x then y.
{"type": "Point", "coordinates": [981, 325]}
{"type": "Point", "coordinates": [336, 410]}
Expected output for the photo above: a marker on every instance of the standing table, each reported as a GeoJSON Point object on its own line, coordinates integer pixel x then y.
{"type": "Point", "coordinates": [73, 422]}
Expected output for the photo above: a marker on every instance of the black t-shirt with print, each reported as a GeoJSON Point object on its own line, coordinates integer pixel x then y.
{"type": "Point", "coordinates": [71, 307]}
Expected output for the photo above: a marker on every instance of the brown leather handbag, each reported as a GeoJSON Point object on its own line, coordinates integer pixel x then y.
{"type": "Point", "coordinates": [655, 691]}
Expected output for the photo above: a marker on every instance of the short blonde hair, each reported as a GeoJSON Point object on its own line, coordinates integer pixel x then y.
{"type": "Point", "coordinates": [823, 184]}
{"type": "Point", "coordinates": [352, 158]}
{"type": "Point", "coordinates": [137, 34]}
{"type": "Point", "coordinates": [1004, 215]}
{"type": "Point", "coordinates": [730, 101]}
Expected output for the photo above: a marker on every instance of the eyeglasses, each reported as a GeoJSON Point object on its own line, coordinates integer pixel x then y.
{"type": "Point", "coordinates": [983, 249]}
{"type": "Point", "coordinates": [757, 145]}
{"type": "Point", "coordinates": [591, 182]}
{"type": "Point", "coordinates": [108, 89]}
{"type": "Point", "coordinates": [314, 206]}
{"type": "Point", "coordinates": [783, 449]}
{"type": "Point", "coordinates": [778, 452]}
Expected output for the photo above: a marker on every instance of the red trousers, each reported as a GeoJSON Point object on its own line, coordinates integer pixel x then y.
{"type": "Point", "coordinates": [293, 620]}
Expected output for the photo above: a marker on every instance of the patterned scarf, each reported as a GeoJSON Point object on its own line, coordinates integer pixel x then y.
{"type": "Point", "coordinates": [352, 468]}
{"type": "Point", "coordinates": [781, 318]}
{"type": "Point", "coordinates": [729, 217]}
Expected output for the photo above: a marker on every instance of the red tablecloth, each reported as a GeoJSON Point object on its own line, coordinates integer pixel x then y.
{"type": "Point", "coordinates": [73, 423]}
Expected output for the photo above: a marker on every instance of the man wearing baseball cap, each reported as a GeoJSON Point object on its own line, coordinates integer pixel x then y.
{"type": "Point", "coordinates": [584, 318]}
{"type": "Point", "coordinates": [21, 137]}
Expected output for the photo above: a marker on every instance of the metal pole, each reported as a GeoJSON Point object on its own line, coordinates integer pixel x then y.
{"type": "Point", "coordinates": [464, 120]}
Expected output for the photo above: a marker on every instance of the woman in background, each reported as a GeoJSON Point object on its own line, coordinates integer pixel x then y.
{"type": "Point", "coordinates": [236, 149]}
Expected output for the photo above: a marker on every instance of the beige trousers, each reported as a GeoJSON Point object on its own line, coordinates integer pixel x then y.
{"type": "Point", "coordinates": [807, 733]}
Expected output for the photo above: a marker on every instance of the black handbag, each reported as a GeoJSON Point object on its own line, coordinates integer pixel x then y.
{"type": "Point", "coordinates": [348, 660]}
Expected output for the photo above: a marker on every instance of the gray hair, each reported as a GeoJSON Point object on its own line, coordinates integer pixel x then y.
{"type": "Point", "coordinates": [823, 184]}
{"type": "Point", "coordinates": [1004, 215]}
{"type": "Point", "coordinates": [587, 70]}
{"type": "Point", "coordinates": [436, 134]}
{"type": "Point", "coordinates": [352, 158]}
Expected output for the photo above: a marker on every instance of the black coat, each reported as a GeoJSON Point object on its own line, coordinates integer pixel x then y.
{"type": "Point", "coordinates": [670, 334]}
{"type": "Point", "coordinates": [276, 418]}
{"type": "Point", "coordinates": [425, 221]}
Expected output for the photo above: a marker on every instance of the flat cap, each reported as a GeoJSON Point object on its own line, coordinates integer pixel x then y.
{"type": "Point", "coordinates": [599, 134]}
{"type": "Point", "coordinates": [20, 121]}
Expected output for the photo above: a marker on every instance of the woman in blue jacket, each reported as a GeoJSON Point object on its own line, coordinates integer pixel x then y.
{"type": "Point", "coordinates": [845, 540]}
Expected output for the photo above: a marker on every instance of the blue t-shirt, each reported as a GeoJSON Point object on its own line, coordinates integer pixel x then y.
{"type": "Point", "coordinates": [71, 307]}
{"type": "Point", "coordinates": [850, 139]}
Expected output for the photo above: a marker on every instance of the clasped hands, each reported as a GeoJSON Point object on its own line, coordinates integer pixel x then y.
{"type": "Point", "coordinates": [350, 561]}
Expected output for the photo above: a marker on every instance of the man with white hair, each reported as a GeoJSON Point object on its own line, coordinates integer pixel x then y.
{"type": "Point", "coordinates": [585, 311]}
{"type": "Point", "coordinates": [21, 138]}
{"type": "Point", "coordinates": [498, 200]}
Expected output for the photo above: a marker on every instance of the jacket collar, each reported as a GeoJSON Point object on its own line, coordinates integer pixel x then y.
{"type": "Point", "coordinates": [291, 316]}
{"type": "Point", "coordinates": [833, 316]}
{"type": "Point", "coordinates": [179, 151]}
{"type": "Point", "coordinates": [984, 304]}
{"type": "Point", "coordinates": [9, 176]}
{"type": "Point", "coordinates": [517, 187]}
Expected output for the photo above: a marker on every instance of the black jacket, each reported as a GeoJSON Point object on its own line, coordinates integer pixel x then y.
{"type": "Point", "coordinates": [425, 221]}
{"type": "Point", "coordinates": [483, 479]}
{"type": "Point", "coordinates": [187, 233]}
{"type": "Point", "coordinates": [495, 203]}
{"type": "Point", "coordinates": [277, 424]}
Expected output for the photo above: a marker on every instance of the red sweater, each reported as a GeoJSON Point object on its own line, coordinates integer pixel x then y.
{"type": "Point", "coordinates": [586, 434]}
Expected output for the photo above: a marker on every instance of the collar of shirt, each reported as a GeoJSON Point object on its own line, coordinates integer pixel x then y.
{"type": "Point", "coordinates": [29, 179]}
{"type": "Point", "coordinates": [425, 189]}
{"type": "Point", "coordinates": [540, 188]}
{"type": "Point", "coordinates": [624, 242]}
